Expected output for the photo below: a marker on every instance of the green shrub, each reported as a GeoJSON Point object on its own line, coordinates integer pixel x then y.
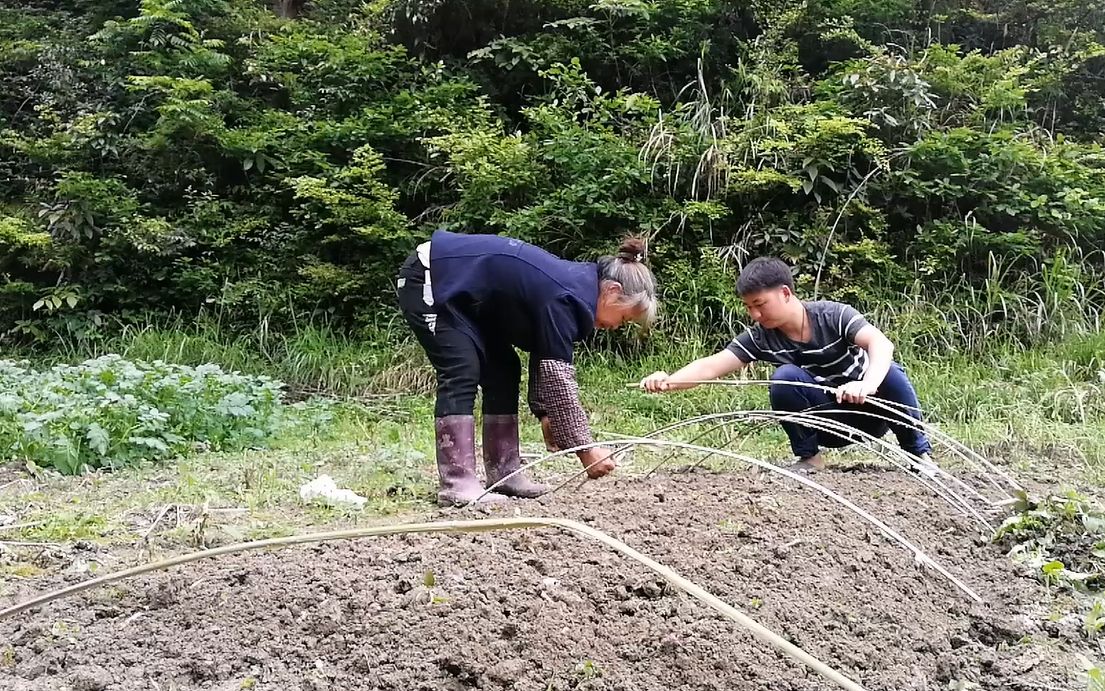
{"type": "Point", "coordinates": [167, 157]}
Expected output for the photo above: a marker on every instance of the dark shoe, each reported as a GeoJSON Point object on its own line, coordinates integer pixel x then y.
{"type": "Point", "coordinates": [501, 458]}
{"type": "Point", "coordinates": [456, 462]}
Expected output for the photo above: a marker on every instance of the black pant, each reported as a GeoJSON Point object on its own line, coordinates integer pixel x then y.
{"type": "Point", "coordinates": [461, 364]}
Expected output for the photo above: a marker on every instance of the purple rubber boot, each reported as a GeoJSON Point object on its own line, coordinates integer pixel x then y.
{"type": "Point", "coordinates": [456, 462]}
{"type": "Point", "coordinates": [501, 457]}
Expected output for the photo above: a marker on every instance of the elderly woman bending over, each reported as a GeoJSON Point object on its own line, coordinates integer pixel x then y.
{"type": "Point", "coordinates": [470, 301]}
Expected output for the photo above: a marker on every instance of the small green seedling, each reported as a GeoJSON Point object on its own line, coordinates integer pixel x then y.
{"type": "Point", "coordinates": [1095, 619]}
{"type": "Point", "coordinates": [731, 526]}
{"type": "Point", "coordinates": [429, 580]}
{"type": "Point", "coordinates": [1052, 572]}
{"type": "Point", "coordinates": [588, 670]}
{"type": "Point", "coordinates": [63, 628]}
{"type": "Point", "coordinates": [1095, 677]}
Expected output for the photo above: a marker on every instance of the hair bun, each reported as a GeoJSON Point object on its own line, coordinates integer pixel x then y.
{"type": "Point", "coordinates": [632, 249]}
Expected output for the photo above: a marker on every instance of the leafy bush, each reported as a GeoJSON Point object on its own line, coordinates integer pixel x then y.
{"type": "Point", "coordinates": [110, 412]}
{"type": "Point", "coordinates": [166, 157]}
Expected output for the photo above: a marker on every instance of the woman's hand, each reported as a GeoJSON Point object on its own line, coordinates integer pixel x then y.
{"type": "Point", "coordinates": [598, 460]}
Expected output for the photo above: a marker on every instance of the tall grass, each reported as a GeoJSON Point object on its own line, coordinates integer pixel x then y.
{"type": "Point", "coordinates": [1062, 301]}
{"type": "Point", "coordinates": [1023, 306]}
{"type": "Point", "coordinates": [1038, 404]}
{"type": "Point", "coordinates": [973, 357]}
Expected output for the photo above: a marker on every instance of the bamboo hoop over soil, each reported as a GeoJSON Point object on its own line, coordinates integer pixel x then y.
{"type": "Point", "coordinates": [819, 415]}
{"type": "Point", "coordinates": [963, 451]}
{"type": "Point", "coordinates": [872, 443]}
{"type": "Point", "coordinates": [879, 447]}
{"type": "Point", "coordinates": [765, 418]}
{"type": "Point", "coordinates": [918, 555]}
{"type": "Point", "coordinates": [760, 632]}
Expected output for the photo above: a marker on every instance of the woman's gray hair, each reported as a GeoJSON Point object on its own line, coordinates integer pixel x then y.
{"type": "Point", "coordinates": [627, 269]}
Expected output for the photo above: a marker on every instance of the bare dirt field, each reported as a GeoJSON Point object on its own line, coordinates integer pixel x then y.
{"type": "Point", "coordinates": [543, 609]}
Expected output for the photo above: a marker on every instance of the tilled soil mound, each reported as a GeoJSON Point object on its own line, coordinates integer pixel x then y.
{"type": "Point", "coordinates": [547, 610]}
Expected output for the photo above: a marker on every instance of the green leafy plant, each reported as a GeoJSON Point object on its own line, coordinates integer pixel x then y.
{"type": "Point", "coordinates": [1061, 539]}
{"type": "Point", "coordinates": [170, 157]}
{"type": "Point", "coordinates": [110, 412]}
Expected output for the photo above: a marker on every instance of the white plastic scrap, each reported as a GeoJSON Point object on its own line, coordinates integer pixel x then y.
{"type": "Point", "coordinates": [323, 488]}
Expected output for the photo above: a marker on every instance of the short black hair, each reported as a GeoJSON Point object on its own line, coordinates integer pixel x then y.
{"type": "Point", "coordinates": [764, 273]}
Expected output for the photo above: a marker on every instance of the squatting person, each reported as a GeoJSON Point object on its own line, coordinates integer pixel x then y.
{"type": "Point", "coordinates": [820, 342]}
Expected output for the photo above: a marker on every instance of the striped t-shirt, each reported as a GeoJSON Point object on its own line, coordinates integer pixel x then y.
{"type": "Point", "coordinates": [831, 355]}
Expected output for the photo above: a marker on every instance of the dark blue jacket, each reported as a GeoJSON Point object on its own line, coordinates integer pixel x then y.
{"type": "Point", "coordinates": [494, 287]}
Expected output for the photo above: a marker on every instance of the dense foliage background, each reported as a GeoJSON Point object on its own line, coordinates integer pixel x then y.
{"type": "Point", "coordinates": [269, 162]}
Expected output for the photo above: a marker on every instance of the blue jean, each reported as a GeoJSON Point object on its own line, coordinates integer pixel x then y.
{"type": "Point", "coordinates": [805, 442]}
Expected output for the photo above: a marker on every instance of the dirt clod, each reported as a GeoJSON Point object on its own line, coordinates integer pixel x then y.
{"type": "Point", "coordinates": [507, 672]}
{"type": "Point", "coordinates": [91, 678]}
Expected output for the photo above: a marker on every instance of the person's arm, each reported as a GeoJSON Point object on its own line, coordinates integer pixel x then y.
{"type": "Point", "coordinates": [880, 355]}
{"type": "Point", "coordinates": [533, 397]}
{"type": "Point", "coordinates": [703, 369]}
{"type": "Point", "coordinates": [568, 425]}
{"type": "Point", "coordinates": [537, 406]}
{"type": "Point", "coordinates": [558, 392]}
